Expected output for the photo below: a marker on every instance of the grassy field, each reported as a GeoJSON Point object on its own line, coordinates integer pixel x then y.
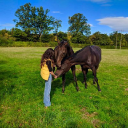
{"type": "Point", "coordinates": [21, 93]}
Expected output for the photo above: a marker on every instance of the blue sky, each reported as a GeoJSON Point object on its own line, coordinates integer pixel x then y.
{"type": "Point", "coordinates": [105, 16]}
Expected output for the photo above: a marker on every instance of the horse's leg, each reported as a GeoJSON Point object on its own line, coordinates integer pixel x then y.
{"type": "Point", "coordinates": [84, 70]}
{"type": "Point", "coordinates": [63, 83]}
{"type": "Point", "coordinates": [74, 76]}
{"type": "Point", "coordinates": [93, 75]}
{"type": "Point", "coordinates": [95, 78]}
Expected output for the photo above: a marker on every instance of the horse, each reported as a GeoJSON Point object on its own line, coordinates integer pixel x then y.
{"type": "Point", "coordinates": [62, 51]}
{"type": "Point", "coordinates": [88, 57]}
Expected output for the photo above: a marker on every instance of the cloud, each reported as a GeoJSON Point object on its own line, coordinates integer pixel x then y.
{"type": "Point", "coordinates": [56, 12]}
{"type": "Point", "coordinates": [116, 23]}
{"type": "Point", "coordinates": [106, 5]}
{"type": "Point", "coordinates": [91, 25]}
{"type": "Point", "coordinates": [99, 1]}
{"type": "Point", "coordinates": [7, 25]}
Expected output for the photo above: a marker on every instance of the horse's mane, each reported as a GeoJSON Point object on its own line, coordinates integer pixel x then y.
{"type": "Point", "coordinates": [72, 56]}
{"type": "Point", "coordinates": [63, 42]}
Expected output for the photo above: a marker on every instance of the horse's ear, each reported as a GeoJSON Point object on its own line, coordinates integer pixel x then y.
{"type": "Point", "coordinates": [65, 43]}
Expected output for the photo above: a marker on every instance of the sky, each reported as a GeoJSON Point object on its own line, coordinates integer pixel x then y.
{"type": "Point", "coordinates": [105, 16]}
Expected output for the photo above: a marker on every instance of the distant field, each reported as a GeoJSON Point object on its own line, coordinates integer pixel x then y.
{"type": "Point", "coordinates": [21, 93]}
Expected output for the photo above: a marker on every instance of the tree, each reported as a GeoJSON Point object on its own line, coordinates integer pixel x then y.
{"type": "Point", "coordinates": [119, 39]}
{"type": "Point", "coordinates": [45, 38]}
{"type": "Point", "coordinates": [57, 24]}
{"type": "Point", "coordinates": [34, 20]}
{"type": "Point", "coordinates": [62, 36]}
{"type": "Point", "coordinates": [78, 24]}
{"type": "Point", "coordinates": [79, 38]}
{"type": "Point", "coordinates": [105, 40]}
{"type": "Point", "coordinates": [3, 31]}
{"type": "Point", "coordinates": [96, 38]}
{"type": "Point", "coordinates": [19, 34]}
{"type": "Point", "coordinates": [92, 38]}
{"type": "Point", "coordinates": [100, 39]}
{"type": "Point", "coordinates": [69, 36]}
{"type": "Point", "coordinates": [126, 38]}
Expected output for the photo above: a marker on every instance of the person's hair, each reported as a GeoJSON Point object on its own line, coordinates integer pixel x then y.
{"type": "Point", "coordinates": [48, 54]}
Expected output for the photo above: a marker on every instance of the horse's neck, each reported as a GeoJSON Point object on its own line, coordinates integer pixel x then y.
{"type": "Point", "coordinates": [75, 59]}
{"type": "Point", "coordinates": [72, 61]}
{"type": "Point", "coordinates": [69, 51]}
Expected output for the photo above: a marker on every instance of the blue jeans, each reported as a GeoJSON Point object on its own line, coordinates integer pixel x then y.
{"type": "Point", "coordinates": [47, 91]}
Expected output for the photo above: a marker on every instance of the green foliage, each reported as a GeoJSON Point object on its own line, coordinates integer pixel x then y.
{"type": "Point", "coordinates": [126, 38]}
{"type": "Point", "coordinates": [21, 93]}
{"type": "Point", "coordinates": [78, 24]}
{"type": "Point", "coordinates": [47, 38]}
{"type": "Point", "coordinates": [31, 44]}
{"type": "Point", "coordinates": [33, 20]}
{"type": "Point", "coordinates": [5, 38]}
{"type": "Point", "coordinates": [100, 39]}
{"type": "Point", "coordinates": [19, 35]}
{"type": "Point", "coordinates": [117, 38]}
{"type": "Point", "coordinates": [3, 31]}
{"type": "Point", "coordinates": [80, 38]}
{"type": "Point", "coordinates": [62, 36]}
{"type": "Point", "coordinates": [57, 24]}
{"type": "Point", "coordinates": [79, 28]}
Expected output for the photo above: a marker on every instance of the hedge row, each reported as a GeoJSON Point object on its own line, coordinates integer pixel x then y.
{"type": "Point", "coordinates": [50, 44]}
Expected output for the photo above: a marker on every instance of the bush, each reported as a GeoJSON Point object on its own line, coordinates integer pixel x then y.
{"type": "Point", "coordinates": [5, 42]}
{"type": "Point", "coordinates": [9, 43]}
{"type": "Point", "coordinates": [47, 38]}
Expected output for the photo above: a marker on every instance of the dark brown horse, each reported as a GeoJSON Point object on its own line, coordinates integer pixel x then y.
{"type": "Point", "coordinates": [62, 51]}
{"type": "Point", "coordinates": [89, 58]}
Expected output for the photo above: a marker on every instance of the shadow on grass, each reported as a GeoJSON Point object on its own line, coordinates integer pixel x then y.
{"type": "Point", "coordinates": [5, 76]}
{"type": "Point", "coordinates": [72, 125]}
{"type": "Point", "coordinates": [58, 82]}
{"type": "Point", "coordinates": [89, 80]}
{"type": "Point", "coordinates": [69, 79]}
{"type": "Point", "coordinates": [3, 62]}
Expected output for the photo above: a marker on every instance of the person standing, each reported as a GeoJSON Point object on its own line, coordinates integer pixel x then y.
{"type": "Point", "coordinates": [47, 62]}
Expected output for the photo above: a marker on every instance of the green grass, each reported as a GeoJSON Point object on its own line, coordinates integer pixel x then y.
{"type": "Point", "coordinates": [21, 93]}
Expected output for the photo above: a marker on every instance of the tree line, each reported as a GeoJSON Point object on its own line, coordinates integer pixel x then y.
{"type": "Point", "coordinates": [34, 24]}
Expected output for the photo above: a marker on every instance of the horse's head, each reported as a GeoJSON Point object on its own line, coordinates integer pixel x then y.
{"type": "Point", "coordinates": [63, 69]}
{"type": "Point", "coordinates": [61, 52]}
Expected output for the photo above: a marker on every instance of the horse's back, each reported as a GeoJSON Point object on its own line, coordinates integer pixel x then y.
{"type": "Point", "coordinates": [96, 55]}
{"type": "Point", "coordinates": [97, 51]}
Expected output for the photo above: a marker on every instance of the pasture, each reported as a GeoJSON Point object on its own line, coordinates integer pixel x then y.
{"type": "Point", "coordinates": [22, 88]}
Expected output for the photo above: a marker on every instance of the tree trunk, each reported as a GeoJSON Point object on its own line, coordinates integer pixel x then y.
{"type": "Point", "coordinates": [40, 37]}
{"type": "Point", "coordinates": [116, 40]}
{"type": "Point", "coordinates": [120, 41]}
